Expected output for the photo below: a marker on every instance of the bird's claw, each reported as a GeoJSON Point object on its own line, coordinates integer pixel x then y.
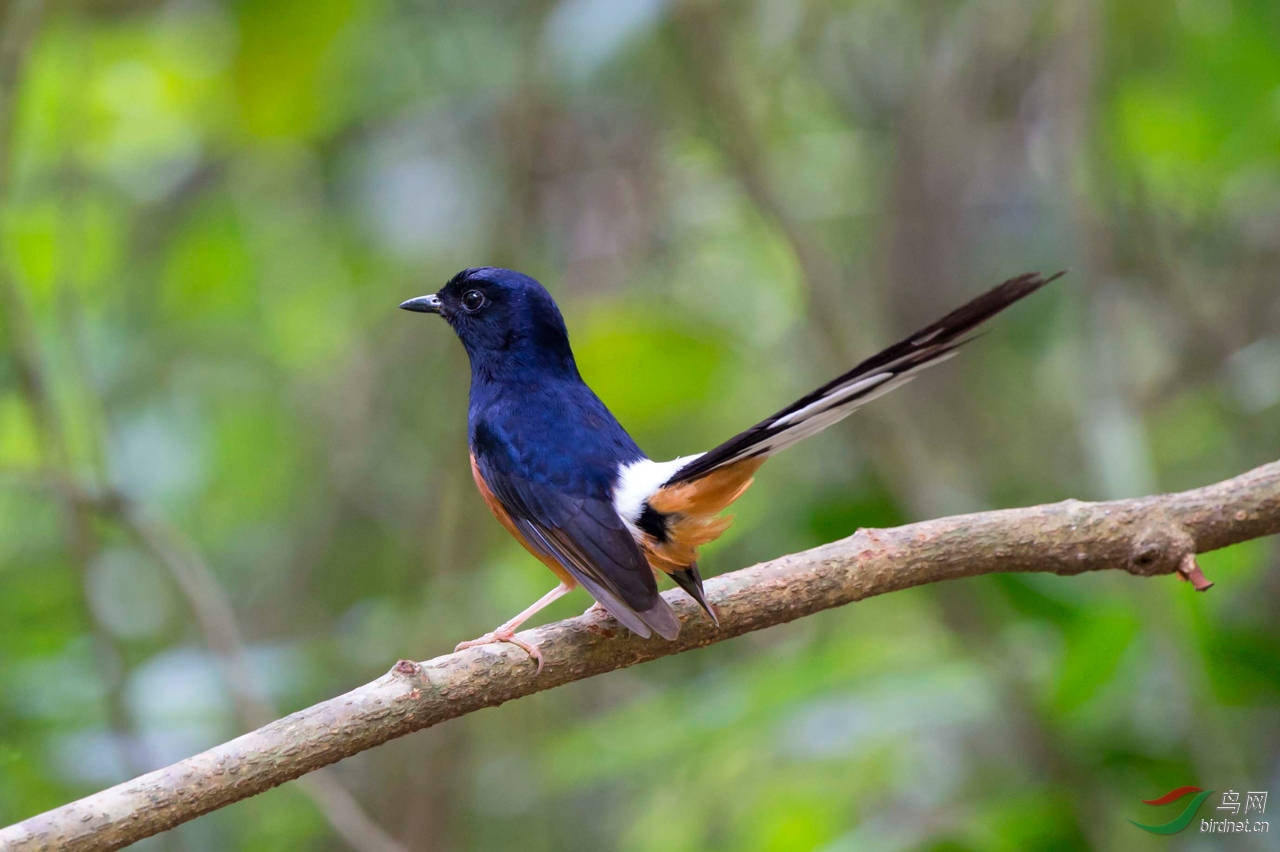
{"type": "Point", "coordinates": [509, 637]}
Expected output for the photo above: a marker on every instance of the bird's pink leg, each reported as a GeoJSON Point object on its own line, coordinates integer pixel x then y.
{"type": "Point", "coordinates": [507, 632]}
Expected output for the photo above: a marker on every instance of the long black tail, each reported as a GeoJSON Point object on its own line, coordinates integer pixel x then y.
{"type": "Point", "coordinates": [875, 376]}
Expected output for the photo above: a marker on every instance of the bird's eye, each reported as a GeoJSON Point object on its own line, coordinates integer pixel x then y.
{"type": "Point", "coordinates": [473, 300]}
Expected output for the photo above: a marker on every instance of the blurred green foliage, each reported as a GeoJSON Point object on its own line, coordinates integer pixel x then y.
{"type": "Point", "coordinates": [214, 208]}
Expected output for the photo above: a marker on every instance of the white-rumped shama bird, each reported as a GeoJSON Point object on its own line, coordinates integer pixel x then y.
{"type": "Point", "coordinates": [562, 475]}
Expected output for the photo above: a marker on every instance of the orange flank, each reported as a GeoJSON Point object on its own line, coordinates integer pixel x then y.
{"type": "Point", "coordinates": [504, 518]}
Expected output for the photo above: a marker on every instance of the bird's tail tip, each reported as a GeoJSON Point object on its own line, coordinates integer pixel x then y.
{"type": "Point", "coordinates": [690, 579]}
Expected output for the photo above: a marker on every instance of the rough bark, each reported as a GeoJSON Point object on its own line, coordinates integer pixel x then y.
{"type": "Point", "coordinates": [1145, 537]}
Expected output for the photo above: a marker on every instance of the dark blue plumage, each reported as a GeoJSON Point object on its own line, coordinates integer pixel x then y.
{"type": "Point", "coordinates": [545, 446]}
{"type": "Point", "coordinates": [563, 476]}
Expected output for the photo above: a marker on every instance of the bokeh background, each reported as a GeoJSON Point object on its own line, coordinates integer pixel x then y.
{"type": "Point", "coordinates": [234, 476]}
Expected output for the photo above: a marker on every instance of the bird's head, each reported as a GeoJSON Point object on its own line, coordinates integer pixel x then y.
{"type": "Point", "coordinates": [505, 320]}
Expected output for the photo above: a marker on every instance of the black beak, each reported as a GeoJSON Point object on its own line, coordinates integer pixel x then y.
{"type": "Point", "coordinates": [423, 304]}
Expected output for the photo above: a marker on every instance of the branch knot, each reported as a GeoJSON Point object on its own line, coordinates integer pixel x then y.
{"type": "Point", "coordinates": [1161, 547]}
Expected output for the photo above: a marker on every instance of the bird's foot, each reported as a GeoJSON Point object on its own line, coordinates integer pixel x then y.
{"type": "Point", "coordinates": [508, 636]}
{"type": "Point", "coordinates": [595, 607]}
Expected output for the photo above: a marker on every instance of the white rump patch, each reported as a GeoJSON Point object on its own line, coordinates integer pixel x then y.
{"type": "Point", "coordinates": [636, 484]}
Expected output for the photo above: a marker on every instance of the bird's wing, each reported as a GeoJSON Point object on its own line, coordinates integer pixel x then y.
{"type": "Point", "coordinates": [588, 539]}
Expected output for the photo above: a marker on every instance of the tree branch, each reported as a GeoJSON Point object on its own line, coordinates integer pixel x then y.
{"type": "Point", "coordinates": [1145, 537]}
{"type": "Point", "coordinates": [211, 606]}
